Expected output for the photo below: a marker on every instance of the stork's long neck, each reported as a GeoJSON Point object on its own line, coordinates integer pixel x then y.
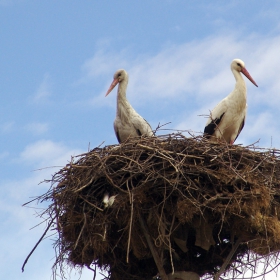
{"type": "Point", "coordinates": [240, 86]}
{"type": "Point", "coordinates": [123, 106]}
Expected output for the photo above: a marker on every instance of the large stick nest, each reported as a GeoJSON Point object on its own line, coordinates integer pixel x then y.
{"type": "Point", "coordinates": [194, 199]}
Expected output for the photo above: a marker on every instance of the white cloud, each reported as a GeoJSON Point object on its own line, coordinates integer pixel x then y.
{"type": "Point", "coordinates": [44, 90]}
{"type": "Point", "coordinates": [198, 68]}
{"type": "Point", "coordinates": [173, 71]}
{"type": "Point", "coordinates": [198, 74]}
{"type": "Point", "coordinates": [37, 128]}
{"type": "Point", "coordinates": [45, 157]}
{"type": "Point", "coordinates": [17, 239]}
{"type": "Point", "coordinates": [103, 63]}
{"type": "Point", "coordinates": [47, 153]}
{"type": "Point", "coordinates": [192, 122]}
{"type": "Point", "coordinates": [264, 127]}
{"type": "Point", "coordinates": [7, 127]}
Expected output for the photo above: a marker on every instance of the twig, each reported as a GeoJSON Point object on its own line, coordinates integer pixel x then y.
{"type": "Point", "coordinates": [91, 204]}
{"type": "Point", "coordinates": [29, 255]}
{"type": "Point", "coordinates": [130, 227]}
{"type": "Point", "coordinates": [160, 126]}
{"type": "Point", "coordinates": [84, 186]}
{"type": "Point", "coordinates": [82, 229]}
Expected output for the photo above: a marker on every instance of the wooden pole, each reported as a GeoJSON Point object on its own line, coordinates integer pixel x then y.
{"type": "Point", "coordinates": [156, 257]}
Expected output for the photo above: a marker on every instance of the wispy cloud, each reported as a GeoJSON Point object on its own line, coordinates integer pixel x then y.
{"type": "Point", "coordinates": [46, 153]}
{"type": "Point", "coordinates": [17, 221]}
{"type": "Point", "coordinates": [198, 74]}
{"type": "Point", "coordinates": [37, 128]}
{"type": "Point", "coordinates": [43, 92]}
{"type": "Point", "coordinates": [262, 126]}
{"type": "Point", "coordinates": [173, 71]}
{"type": "Point", "coordinates": [200, 68]}
{"type": "Point", "coordinates": [7, 127]}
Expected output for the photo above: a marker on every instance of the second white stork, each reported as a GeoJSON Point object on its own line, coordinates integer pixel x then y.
{"type": "Point", "coordinates": [227, 119]}
{"type": "Point", "coordinates": [128, 123]}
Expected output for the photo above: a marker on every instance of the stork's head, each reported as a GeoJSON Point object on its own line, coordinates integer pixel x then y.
{"type": "Point", "coordinates": [239, 66]}
{"type": "Point", "coordinates": [119, 76]}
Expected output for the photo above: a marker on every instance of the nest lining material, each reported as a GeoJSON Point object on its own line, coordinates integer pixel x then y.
{"type": "Point", "coordinates": [196, 200]}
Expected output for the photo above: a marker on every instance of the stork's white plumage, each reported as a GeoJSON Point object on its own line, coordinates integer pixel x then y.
{"type": "Point", "coordinates": [228, 117]}
{"type": "Point", "coordinates": [128, 123]}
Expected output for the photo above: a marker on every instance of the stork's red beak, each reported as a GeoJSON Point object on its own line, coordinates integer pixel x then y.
{"type": "Point", "coordinates": [114, 83]}
{"type": "Point", "coordinates": [246, 73]}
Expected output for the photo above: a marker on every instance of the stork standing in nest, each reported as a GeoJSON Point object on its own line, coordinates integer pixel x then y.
{"type": "Point", "coordinates": [128, 123]}
{"type": "Point", "coordinates": [228, 117]}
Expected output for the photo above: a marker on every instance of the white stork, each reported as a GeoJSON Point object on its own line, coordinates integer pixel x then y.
{"type": "Point", "coordinates": [228, 117]}
{"type": "Point", "coordinates": [128, 123]}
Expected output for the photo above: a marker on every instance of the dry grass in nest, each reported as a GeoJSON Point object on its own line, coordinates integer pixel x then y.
{"type": "Point", "coordinates": [197, 201]}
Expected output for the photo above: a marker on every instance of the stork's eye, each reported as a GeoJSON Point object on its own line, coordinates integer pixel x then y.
{"type": "Point", "coordinates": [238, 64]}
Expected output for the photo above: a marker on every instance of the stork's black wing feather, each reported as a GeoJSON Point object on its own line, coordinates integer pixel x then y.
{"type": "Point", "coordinates": [139, 132]}
{"type": "Point", "coordinates": [211, 127]}
{"type": "Point", "coordinates": [118, 135]}
{"type": "Point", "coordinates": [148, 124]}
{"type": "Point", "coordinates": [240, 128]}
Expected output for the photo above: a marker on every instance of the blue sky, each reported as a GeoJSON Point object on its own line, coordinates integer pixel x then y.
{"type": "Point", "coordinates": [57, 60]}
